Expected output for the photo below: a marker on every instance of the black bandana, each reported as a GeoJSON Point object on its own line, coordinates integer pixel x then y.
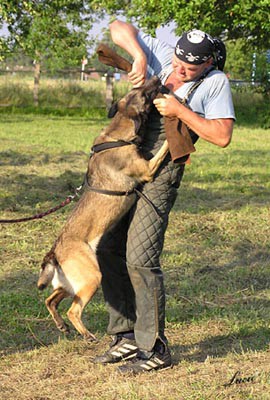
{"type": "Point", "coordinates": [195, 47]}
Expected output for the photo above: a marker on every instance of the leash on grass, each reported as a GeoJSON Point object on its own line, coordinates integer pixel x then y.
{"type": "Point", "coordinates": [64, 203]}
{"type": "Point", "coordinates": [95, 149]}
{"type": "Point", "coordinates": [70, 198]}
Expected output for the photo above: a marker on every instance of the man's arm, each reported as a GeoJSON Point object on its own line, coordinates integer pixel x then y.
{"type": "Point", "coordinates": [125, 36]}
{"type": "Point", "coordinates": [216, 131]}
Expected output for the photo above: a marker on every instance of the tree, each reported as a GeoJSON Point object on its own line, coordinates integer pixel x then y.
{"type": "Point", "coordinates": [53, 33]}
{"type": "Point", "coordinates": [233, 18]}
{"type": "Point", "coordinates": [106, 38]}
{"type": "Point", "coordinates": [240, 62]}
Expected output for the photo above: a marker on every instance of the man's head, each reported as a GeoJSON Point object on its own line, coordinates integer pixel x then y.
{"type": "Point", "coordinates": [195, 50]}
{"type": "Point", "coordinates": [195, 47]}
{"type": "Point", "coordinates": [186, 72]}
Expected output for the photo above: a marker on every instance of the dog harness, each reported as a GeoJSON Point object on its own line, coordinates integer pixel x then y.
{"type": "Point", "coordinates": [97, 148]}
{"type": "Point", "coordinates": [111, 145]}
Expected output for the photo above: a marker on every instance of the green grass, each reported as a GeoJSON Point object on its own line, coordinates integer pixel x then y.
{"type": "Point", "coordinates": [252, 108]}
{"type": "Point", "coordinates": [216, 265]}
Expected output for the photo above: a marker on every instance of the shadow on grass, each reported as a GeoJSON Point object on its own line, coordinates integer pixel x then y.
{"type": "Point", "coordinates": [19, 115]}
{"type": "Point", "coordinates": [234, 294]}
{"type": "Point", "coordinates": [14, 158]}
{"type": "Point", "coordinates": [26, 113]}
{"type": "Point", "coordinates": [221, 345]}
{"type": "Point", "coordinates": [244, 181]}
{"type": "Point", "coordinates": [23, 191]}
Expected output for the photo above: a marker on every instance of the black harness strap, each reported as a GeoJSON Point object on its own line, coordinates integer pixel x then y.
{"type": "Point", "coordinates": [109, 145]}
{"type": "Point", "coordinates": [109, 192]}
{"type": "Point", "coordinates": [185, 99]}
{"type": "Point", "coordinates": [121, 193]}
{"type": "Point", "coordinates": [149, 202]}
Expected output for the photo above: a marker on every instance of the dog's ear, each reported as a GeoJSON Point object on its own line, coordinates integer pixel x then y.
{"type": "Point", "coordinates": [138, 124]}
{"type": "Point", "coordinates": [128, 107]}
{"type": "Point", "coordinates": [113, 110]}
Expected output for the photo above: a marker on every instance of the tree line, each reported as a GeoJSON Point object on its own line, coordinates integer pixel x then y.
{"type": "Point", "coordinates": [55, 33]}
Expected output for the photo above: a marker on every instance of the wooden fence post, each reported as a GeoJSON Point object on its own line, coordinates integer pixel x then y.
{"type": "Point", "coordinates": [109, 89]}
{"type": "Point", "coordinates": [36, 83]}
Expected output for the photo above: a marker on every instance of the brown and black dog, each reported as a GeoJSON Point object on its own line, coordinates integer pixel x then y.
{"type": "Point", "coordinates": [71, 266]}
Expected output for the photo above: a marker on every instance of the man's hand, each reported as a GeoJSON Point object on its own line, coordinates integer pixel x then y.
{"type": "Point", "coordinates": [138, 73]}
{"type": "Point", "coordinates": [168, 106]}
{"type": "Point", "coordinates": [217, 131]}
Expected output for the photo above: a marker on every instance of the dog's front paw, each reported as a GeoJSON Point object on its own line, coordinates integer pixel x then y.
{"type": "Point", "coordinates": [148, 178]}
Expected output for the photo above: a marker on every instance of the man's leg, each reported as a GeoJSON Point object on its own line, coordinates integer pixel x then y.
{"type": "Point", "coordinates": [117, 288]}
{"type": "Point", "coordinates": [118, 294]}
{"type": "Point", "coordinates": [144, 246]}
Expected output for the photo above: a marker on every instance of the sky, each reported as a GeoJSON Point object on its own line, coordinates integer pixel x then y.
{"type": "Point", "coordinates": [162, 33]}
{"type": "Point", "coordinates": [166, 34]}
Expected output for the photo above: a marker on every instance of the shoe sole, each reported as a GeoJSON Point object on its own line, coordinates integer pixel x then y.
{"type": "Point", "coordinates": [116, 360]}
{"type": "Point", "coordinates": [132, 372]}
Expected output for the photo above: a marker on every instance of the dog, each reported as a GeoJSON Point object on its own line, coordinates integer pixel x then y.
{"type": "Point", "coordinates": [71, 266]}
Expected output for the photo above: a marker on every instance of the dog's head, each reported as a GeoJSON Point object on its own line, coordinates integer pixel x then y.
{"type": "Point", "coordinates": [137, 104]}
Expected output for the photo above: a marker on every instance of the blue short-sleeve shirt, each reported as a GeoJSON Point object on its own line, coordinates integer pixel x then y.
{"type": "Point", "coordinates": [211, 100]}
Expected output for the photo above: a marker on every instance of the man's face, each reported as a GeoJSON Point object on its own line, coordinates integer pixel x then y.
{"type": "Point", "coordinates": [188, 72]}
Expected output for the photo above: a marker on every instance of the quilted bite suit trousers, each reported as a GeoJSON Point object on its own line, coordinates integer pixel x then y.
{"type": "Point", "coordinates": [129, 254]}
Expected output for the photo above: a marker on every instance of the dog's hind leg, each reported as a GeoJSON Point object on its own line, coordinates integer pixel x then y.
{"type": "Point", "coordinates": [52, 303]}
{"type": "Point", "coordinates": [81, 299]}
{"type": "Point", "coordinates": [81, 271]}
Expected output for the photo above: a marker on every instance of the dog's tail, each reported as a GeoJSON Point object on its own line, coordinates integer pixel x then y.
{"type": "Point", "coordinates": [47, 270]}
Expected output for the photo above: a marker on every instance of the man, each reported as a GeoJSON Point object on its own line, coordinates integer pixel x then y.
{"type": "Point", "coordinates": [129, 254]}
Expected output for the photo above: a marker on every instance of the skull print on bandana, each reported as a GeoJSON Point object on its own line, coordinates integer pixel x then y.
{"type": "Point", "coordinates": [195, 47]}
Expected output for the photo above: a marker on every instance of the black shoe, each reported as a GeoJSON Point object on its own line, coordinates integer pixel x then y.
{"type": "Point", "coordinates": [146, 361]}
{"type": "Point", "coordinates": [121, 348]}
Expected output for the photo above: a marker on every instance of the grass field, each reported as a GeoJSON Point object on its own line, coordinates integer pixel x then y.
{"type": "Point", "coordinates": [57, 94]}
{"type": "Point", "coordinates": [216, 264]}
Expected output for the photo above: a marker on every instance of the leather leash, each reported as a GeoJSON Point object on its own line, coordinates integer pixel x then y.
{"type": "Point", "coordinates": [68, 200]}
{"type": "Point", "coordinates": [95, 149]}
